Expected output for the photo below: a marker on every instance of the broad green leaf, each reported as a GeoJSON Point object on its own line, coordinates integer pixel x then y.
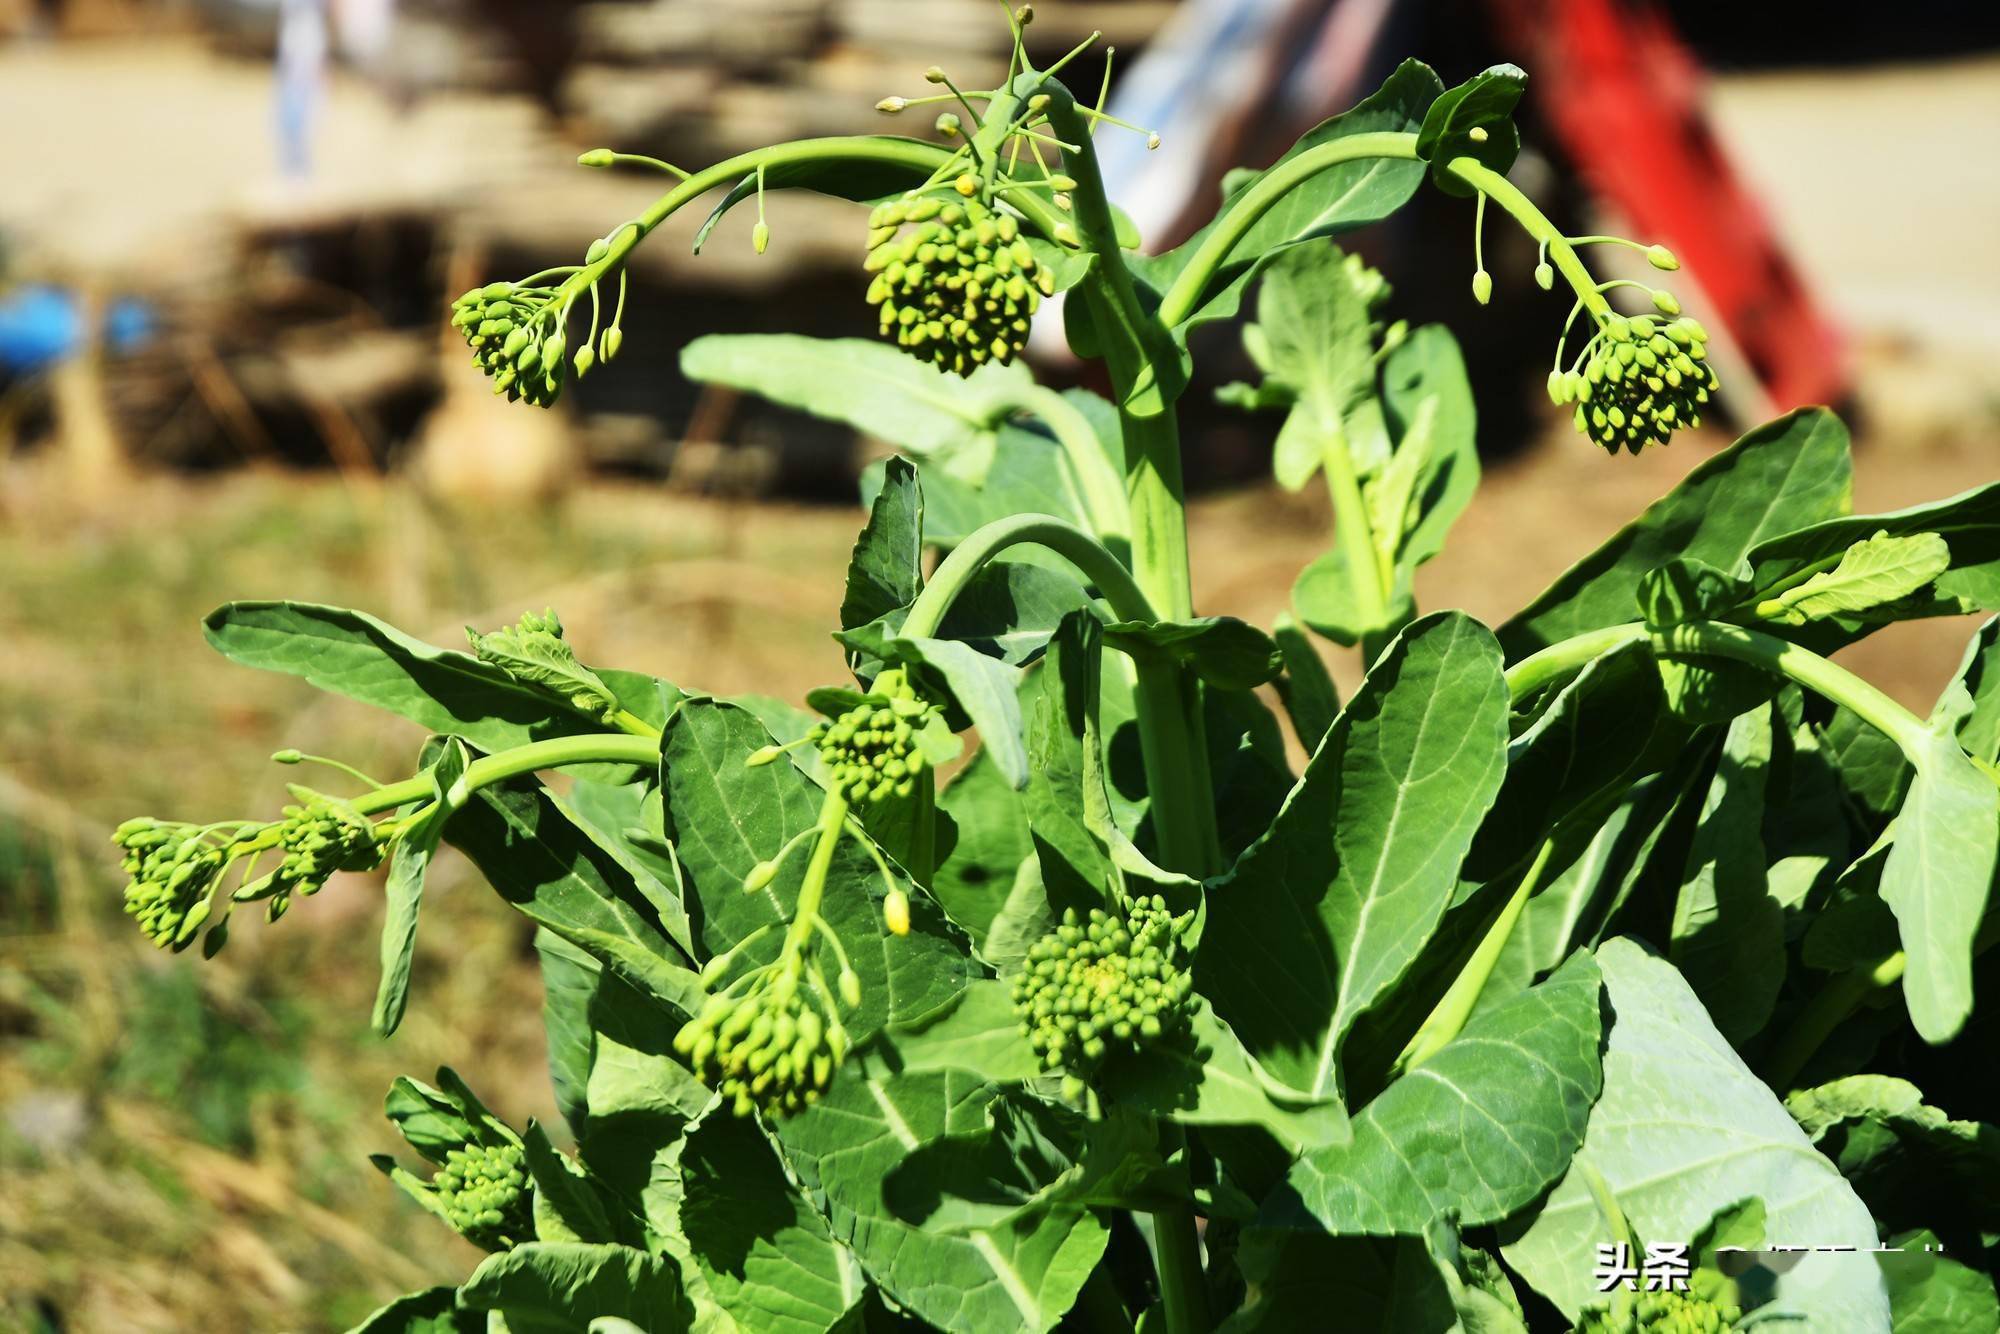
{"type": "Point", "coordinates": [1728, 932]}
{"type": "Point", "coordinates": [1318, 920]}
{"type": "Point", "coordinates": [1685, 589]}
{"type": "Point", "coordinates": [1931, 1293]}
{"type": "Point", "coordinates": [982, 842]}
{"type": "Point", "coordinates": [1979, 673]}
{"type": "Point", "coordinates": [1299, 1280]}
{"type": "Point", "coordinates": [1872, 771]}
{"type": "Point", "coordinates": [1207, 1078]}
{"type": "Point", "coordinates": [1343, 197]}
{"type": "Point", "coordinates": [444, 761]}
{"type": "Point", "coordinates": [984, 688]}
{"type": "Point", "coordinates": [1872, 573]}
{"type": "Point", "coordinates": [727, 817]}
{"type": "Point", "coordinates": [764, 1255]}
{"type": "Point", "coordinates": [877, 389]}
{"type": "Point", "coordinates": [981, 1034]}
{"type": "Point", "coordinates": [1064, 799]}
{"type": "Point", "coordinates": [1476, 120]}
{"type": "Point", "coordinates": [351, 653]}
{"type": "Point", "coordinates": [1311, 699]}
{"type": "Point", "coordinates": [1968, 523]}
{"type": "Point", "coordinates": [561, 1287]}
{"type": "Point", "coordinates": [1223, 651]}
{"type": "Point", "coordinates": [628, 821]}
{"type": "Point", "coordinates": [1682, 1130]}
{"type": "Point", "coordinates": [432, 1123]}
{"type": "Point", "coordinates": [552, 872]}
{"type": "Point", "coordinates": [569, 981]}
{"type": "Point", "coordinates": [1937, 877]}
{"type": "Point", "coordinates": [886, 571]}
{"type": "Point", "coordinates": [1023, 1275]}
{"type": "Point", "coordinates": [1780, 477]}
{"type": "Point", "coordinates": [432, 1311]}
{"type": "Point", "coordinates": [1427, 368]}
{"type": "Point", "coordinates": [1910, 1161]}
{"type": "Point", "coordinates": [1323, 596]}
{"type": "Point", "coordinates": [1472, 1134]}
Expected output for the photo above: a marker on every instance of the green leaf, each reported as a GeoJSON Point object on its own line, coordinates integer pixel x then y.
{"type": "Point", "coordinates": [444, 761]}
{"type": "Point", "coordinates": [1931, 1293]}
{"type": "Point", "coordinates": [432, 1123]}
{"type": "Point", "coordinates": [886, 572]}
{"type": "Point", "coordinates": [1323, 597]}
{"type": "Point", "coordinates": [351, 653]}
{"type": "Point", "coordinates": [1685, 589]}
{"type": "Point", "coordinates": [1336, 900]}
{"type": "Point", "coordinates": [1684, 1129]}
{"type": "Point", "coordinates": [763, 1254]}
{"type": "Point", "coordinates": [981, 1034]}
{"type": "Point", "coordinates": [1207, 1078]}
{"type": "Point", "coordinates": [1728, 932]}
{"type": "Point", "coordinates": [1483, 104]}
{"type": "Point", "coordinates": [1310, 697]}
{"type": "Point", "coordinates": [1969, 524]}
{"type": "Point", "coordinates": [1872, 573]}
{"type": "Point", "coordinates": [877, 389]}
{"type": "Point", "coordinates": [1338, 199]}
{"type": "Point", "coordinates": [1780, 477]}
{"type": "Point", "coordinates": [983, 688]}
{"type": "Point", "coordinates": [1021, 1275]}
{"type": "Point", "coordinates": [561, 1287]}
{"type": "Point", "coordinates": [552, 872]}
{"type": "Point", "coordinates": [569, 981]}
{"type": "Point", "coordinates": [727, 817]}
{"type": "Point", "coordinates": [1297, 1280]}
{"type": "Point", "coordinates": [983, 843]}
{"type": "Point", "coordinates": [1937, 877]}
{"type": "Point", "coordinates": [1474, 1133]}
{"type": "Point", "coordinates": [568, 1206]}
{"type": "Point", "coordinates": [1428, 369]}
{"type": "Point", "coordinates": [432, 1311]}
{"type": "Point", "coordinates": [1223, 651]}
{"type": "Point", "coordinates": [1909, 1160]}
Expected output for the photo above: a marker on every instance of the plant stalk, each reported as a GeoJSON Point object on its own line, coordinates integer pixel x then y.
{"type": "Point", "coordinates": [555, 753]}
{"type": "Point", "coordinates": [1352, 530]}
{"type": "Point", "coordinates": [1114, 582]}
{"type": "Point", "coordinates": [1102, 492]}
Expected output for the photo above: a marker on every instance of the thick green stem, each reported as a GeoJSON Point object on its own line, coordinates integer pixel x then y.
{"type": "Point", "coordinates": [555, 753]}
{"type": "Point", "coordinates": [1177, 1256]}
{"type": "Point", "coordinates": [1235, 222]}
{"type": "Point", "coordinates": [832, 823]}
{"type": "Point", "coordinates": [1102, 491]}
{"type": "Point", "coordinates": [1720, 639]}
{"type": "Point", "coordinates": [1447, 1020]}
{"type": "Point", "coordinates": [1825, 1012]}
{"type": "Point", "coordinates": [1352, 530]}
{"type": "Point", "coordinates": [1114, 582]}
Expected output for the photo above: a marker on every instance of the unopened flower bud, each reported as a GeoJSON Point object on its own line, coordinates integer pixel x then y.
{"type": "Point", "coordinates": [612, 340]}
{"type": "Point", "coordinates": [760, 237]}
{"type": "Point", "coordinates": [892, 105]}
{"type": "Point", "coordinates": [896, 913]}
{"type": "Point", "coordinates": [597, 157]}
{"type": "Point", "coordinates": [1662, 258]}
{"type": "Point", "coordinates": [948, 124]}
{"type": "Point", "coordinates": [288, 756]}
{"type": "Point", "coordinates": [850, 988]}
{"type": "Point", "coordinates": [1477, 134]}
{"type": "Point", "coordinates": [1482, 287]}
{"type": "Point", "coordinates": [1665, 303]}
{"type": "Point", "coordinates": [761, 875]}
{"type": "Point", "coordinates": [1545, 276]}
{"type": "Point", "coordinates": [935, 74]}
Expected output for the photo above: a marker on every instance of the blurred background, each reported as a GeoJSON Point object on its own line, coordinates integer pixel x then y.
{"type": "Point", "coordinates": [228, 233]}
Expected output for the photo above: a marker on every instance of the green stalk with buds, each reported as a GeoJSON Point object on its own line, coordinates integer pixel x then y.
{"type": "Point", "coordinates": [1124, 1021]}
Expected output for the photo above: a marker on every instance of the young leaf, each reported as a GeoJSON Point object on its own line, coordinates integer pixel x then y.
{"type": "Point", "coordinates": [1475, 120]}
{"type": "Point", "coordinates": [1023, 1275]}
{"type": "Point", "coordinates": [1474, 1133]}
{"type": "Point", "coordinates": [1931, 1293]}
{"type": "Point", "coordinates": [1682, 1130]}
{"type": "Point", "coordinates": [444, 761]}
{"type": "Point", "coordinates": [1310, 697]}
{"type": "Point", "coordinates": [983, 840]}
{"type": "Point", "coordinates": [1784, 476]}
{"type": "Point", "coordinates": [432, 1311]}
{"type": "Point", "coordinates": [568, 1206]}
{"type": "Point", "coordinates": [1428, 369]}
{"type": "Point", "coordinates": [535, 653]}
{"type": "Point", "coordinates": [1909, 1160]}
{"type": "Point", "coordinates": [1227, 653]}
{"type": "Point", "coordinates": [1872, 574]}
{"type": "Point", "coordinates": [569, 982]}
{"type": "Point", "coordinates": [1350, 881]}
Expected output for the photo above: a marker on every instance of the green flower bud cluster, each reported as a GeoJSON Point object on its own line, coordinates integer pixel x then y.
{"type": "Point", "coordinates": [1642, 378]}
{"type": "Point", "coordinates": [513, 340]}
{"type": "Point", "coordinates": [172, 868]}
{"type": "Point", "coordinates": [1101, 984]}
{"type": "Point", "coordinates": [763, 1045]}
{"type": "Point", "coordinates": [955, 281]}
{"type": "Point", "coordinates": [871, 750]}
{"type": "Point", "coordinates": [484, 1192]}
{"type": "Point", "coordinates": [317, 837]}
{"type": "Point", "coordinates": [1662, 1313]}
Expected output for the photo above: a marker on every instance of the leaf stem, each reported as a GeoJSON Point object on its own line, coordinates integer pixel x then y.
{"type": "Point", "coordinates": [1103, 490]}
{"type": "Point", "coordinates": [1352, 530]}
{"type": "Point", "coordinates": [1448, 1019]}
{"type": "Point", "coordinates": [1826, 1011]}
{"type": "Point", "coordinates": [1536, 224]}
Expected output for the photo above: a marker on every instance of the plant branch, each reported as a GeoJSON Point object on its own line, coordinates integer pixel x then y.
{"type": "Point", "coordinates": [555, 753]}
{"type": "Point", "coordinates": [1536, 224]}
{"type": "Point", "coordinates": [1097, 564]}
{"type": "Point", "coordinates": [1352, 530]}
{"type": "Point", "coordinates": [1103, 491]}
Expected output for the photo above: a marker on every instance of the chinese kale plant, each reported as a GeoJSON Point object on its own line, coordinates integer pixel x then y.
{"type": "Point", "coordinates": [1622, 925]}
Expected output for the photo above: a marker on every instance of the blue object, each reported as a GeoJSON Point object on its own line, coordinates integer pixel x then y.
{"type": "Point", "coordinates": [41, 325]}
